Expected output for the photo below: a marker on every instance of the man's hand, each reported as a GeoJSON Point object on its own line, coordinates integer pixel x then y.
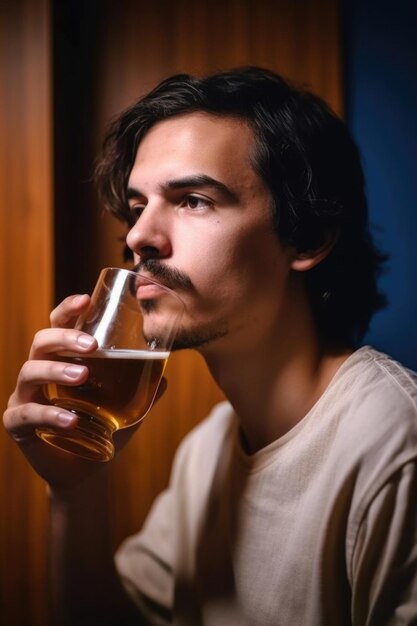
{"type": "Point", "coordinates": [29, 409]}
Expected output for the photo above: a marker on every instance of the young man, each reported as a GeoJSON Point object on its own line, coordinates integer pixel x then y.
{"type": "Point", "coordinates": [295, 502]}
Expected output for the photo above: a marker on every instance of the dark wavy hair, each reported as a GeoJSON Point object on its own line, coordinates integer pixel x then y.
{"type": "Point", "coordinates": [308, 160]}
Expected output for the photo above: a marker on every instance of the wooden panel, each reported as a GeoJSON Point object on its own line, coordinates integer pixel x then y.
{"type": "Point", "coordinates": [25, 290]}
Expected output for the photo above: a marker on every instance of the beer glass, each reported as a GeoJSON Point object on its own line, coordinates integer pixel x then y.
{"type": "Point", "coordinates": [134, 320]}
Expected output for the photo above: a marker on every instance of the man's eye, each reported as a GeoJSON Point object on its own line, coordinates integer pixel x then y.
{"type": "Point", "coordinates": [197, 202]}
{"type": "Point", "coordinates": [135, 212]}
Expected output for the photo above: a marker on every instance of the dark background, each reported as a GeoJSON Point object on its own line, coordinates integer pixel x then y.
{"type": "Point", "coordinates": [381, 109]}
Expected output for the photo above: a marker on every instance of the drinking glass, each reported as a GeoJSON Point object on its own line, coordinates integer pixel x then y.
{"type": "Point", "coordinates": [134, 320]}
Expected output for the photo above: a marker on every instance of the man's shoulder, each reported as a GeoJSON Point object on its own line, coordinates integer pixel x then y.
{"type": "Point", "coordinates": [199, 454]}
{"type": "Point", "coordinates": [211, 433]}
{"type": "Point", "coordinates": [375, 449]}
{"type": "Point", "coordinates": [389, 366]}
{"type": "Point", "coordinates": [217, 423]}
{"type": "Point", "coordinates": [378, 379]}
{"type": "Point", "coordinates": [376, 400]}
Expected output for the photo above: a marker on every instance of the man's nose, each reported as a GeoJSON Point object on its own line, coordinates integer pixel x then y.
{"type": "Point", "coordinates": [149, 237]}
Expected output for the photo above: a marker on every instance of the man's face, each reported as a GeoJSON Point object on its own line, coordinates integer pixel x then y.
{"type": "Point", "coordinates": [204, 228]}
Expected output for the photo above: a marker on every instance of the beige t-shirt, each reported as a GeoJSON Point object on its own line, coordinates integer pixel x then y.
{"type": "Point", "coordinates": [319, 528]}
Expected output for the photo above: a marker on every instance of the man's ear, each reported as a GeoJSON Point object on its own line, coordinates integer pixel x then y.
{"type": "Point", "coordinates": [304, 261]}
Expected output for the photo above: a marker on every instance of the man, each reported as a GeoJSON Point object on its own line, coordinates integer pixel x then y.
{"type": "Point", "coordinates": [294, 503]}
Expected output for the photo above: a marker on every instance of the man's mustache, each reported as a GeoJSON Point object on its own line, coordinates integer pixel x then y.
{"type": "Point", "coordinates": [169, 276]}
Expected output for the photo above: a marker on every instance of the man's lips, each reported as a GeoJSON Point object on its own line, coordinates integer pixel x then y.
{"type": "Point", "coordinates": [146, 289]}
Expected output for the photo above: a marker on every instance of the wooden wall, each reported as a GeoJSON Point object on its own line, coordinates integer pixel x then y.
{"type": "Point", "coordinates": [67, 67]}
{"type": "Point", "coordinates": [26, 269]}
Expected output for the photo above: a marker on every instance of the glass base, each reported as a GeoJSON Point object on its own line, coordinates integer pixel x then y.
{"type": "Point", "coordinates": [90, 439]}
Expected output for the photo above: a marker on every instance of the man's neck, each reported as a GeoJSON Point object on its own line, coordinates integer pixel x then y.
{"type": "Point", "coordinates": [272, 385]}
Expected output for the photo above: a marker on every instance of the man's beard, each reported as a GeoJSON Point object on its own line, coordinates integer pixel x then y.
{"type": "Point", "coordinates": [185, 339]}
{"type": "Point", "coordinates": [196, 338]}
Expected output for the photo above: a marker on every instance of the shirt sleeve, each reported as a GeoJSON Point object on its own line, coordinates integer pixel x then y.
{"type": "Point", "coordinates": [144, 564]}
{"type": "Point", "coordinates": [148, 562]}
{"type": "Point", "coordinates": [384, 561]}
{"type": "Point", "coordinates": [145, 561]}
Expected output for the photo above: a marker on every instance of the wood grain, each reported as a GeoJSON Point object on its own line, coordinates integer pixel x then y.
{"type": "Point", "coordinates": [26, 269]}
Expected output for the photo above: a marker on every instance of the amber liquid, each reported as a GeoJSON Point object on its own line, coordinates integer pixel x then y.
{"type": "Point", "coordinates": [119, 391]}
{"type": "Point", "coordinates": [120, 388]}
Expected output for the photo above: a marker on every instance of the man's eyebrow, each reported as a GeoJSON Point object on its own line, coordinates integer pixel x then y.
{"type": "Point", "coordinates": [195, 181]}
{"type": "Point", "coordinates": [132, 193]}
{"type": "Point", "coordinates": [200, 180]}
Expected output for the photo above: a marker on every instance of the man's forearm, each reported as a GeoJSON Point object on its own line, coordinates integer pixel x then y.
{"type": "Point", "coordinates": [84, 582]}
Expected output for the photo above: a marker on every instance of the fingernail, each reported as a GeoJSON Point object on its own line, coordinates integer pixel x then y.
{"type": "Point", "coordinates": [85, 341]}
{"type": "Point", "coordinates": [73, 371]}
{"type": "Point", "coordinates": [65, 418]}
{"type": "Point", "coordinates": [78, 299]}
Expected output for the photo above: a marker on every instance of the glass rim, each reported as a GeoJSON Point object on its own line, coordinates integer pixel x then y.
{"type": "Point", "coordinates": [150, 279]}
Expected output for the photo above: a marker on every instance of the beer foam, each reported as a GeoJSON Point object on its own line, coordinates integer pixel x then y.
{"type": "Point", "coordinates": [120, 354]}
{"type": "Point", "coordinates": [127, 354]}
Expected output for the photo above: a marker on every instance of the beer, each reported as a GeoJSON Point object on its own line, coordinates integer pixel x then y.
{"type": "Point", "coordinates": [119, 390]}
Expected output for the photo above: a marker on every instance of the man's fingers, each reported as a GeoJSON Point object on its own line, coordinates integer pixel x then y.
{"type": "Point", "coordinates": [66, 313]}
{"type": "Point", "coordinates": [56, 340]}
{"type": "Point", "coordinates": [21, 419]}
{"type": "Point", "coordinates": [36, 373]}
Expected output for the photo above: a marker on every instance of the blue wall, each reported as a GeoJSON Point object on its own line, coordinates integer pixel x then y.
{"type": "Point", "coordinates": [381, 110]}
